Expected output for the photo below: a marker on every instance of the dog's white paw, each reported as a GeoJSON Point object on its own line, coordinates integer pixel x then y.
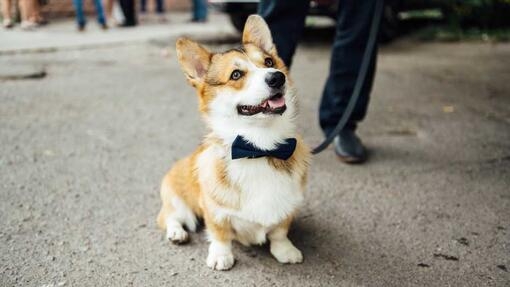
{"type": "Point", "coordinates": [220, 261]}
{"type": "Point", "coordinates": [285, 252]}
{"type": "Point", "coordinates": [177, 235]}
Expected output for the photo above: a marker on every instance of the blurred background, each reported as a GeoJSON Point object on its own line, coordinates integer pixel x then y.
{"type": "Point", "coordinates": [94, 110]}
{"type": "Point", "coordinates": [445, 19]}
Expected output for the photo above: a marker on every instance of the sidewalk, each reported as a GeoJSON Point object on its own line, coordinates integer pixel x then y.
{"type": "Point", "coordinates": [62, 34]}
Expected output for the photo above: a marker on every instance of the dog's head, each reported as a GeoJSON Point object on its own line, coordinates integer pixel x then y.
{"type": "Point", "coordinates": [244, 91]}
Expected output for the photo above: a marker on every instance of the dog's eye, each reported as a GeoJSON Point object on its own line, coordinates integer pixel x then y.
{"type": "Point", "coordinates": [268, 62]}
{"type": "Point", "coordinates": [236, 75]}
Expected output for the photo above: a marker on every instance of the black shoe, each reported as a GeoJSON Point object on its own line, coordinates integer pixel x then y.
{"type": "Point", "coordinates": [197, 20]}
{"type": "Point", "coordinates": [127, 24]}
{"type": "Point", "coordinates": [348, 147]}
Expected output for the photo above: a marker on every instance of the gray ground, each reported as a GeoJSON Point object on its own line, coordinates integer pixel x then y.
{"type": "Point", "coordinates": [83, 150]}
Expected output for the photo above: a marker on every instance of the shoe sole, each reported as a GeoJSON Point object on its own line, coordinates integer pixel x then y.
{"type": "Point", "coordinates": [350, 159]}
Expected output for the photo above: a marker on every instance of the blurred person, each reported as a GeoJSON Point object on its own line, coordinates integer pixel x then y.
{"type": "Point", "coordinates": [6, 14]}
{"type": "Point", "coordinates": [36, 13]}
{"type": "Point", "coordinates": [286, 19]}
{"type": "Point", "coordinates": [28, 10]}
{"type": "Point", "coordinates": [199, 11]}
{"type": "Point", "coordinates": [108, 6]}
{"type": "Point", "coordinates": [128, 9]}
{"type": "Point", "coordinates": [160, 9]}
{"type": "Point", "coordinates": [80, 16]}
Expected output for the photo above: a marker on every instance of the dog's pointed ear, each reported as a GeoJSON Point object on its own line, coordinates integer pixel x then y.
{"type": "Point", "coordinates": [194, 60]}
{"type": "Point", "coordinates": [257, 32]}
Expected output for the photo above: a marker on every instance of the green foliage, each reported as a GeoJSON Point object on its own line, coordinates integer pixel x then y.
{"type": "Point", "coordinates": [484, 14]}
{"type": "Point", "coordinates": [470, 20]}
{"type": "Point", "coordinates": [446, 34]}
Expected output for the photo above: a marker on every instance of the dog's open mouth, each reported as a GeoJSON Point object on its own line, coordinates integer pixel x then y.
{"type": "Point", "coordinates": [273, 105]}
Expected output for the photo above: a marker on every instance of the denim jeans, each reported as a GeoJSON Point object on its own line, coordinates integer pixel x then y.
{"type": "Point", "coordinates": [199, 9]}
{"type": "Point", "coordinates": [286, 19]}
{"type": "Point", "coordinates": [160, 6]}
{"type": "Point", "coordinates": [80, 16]}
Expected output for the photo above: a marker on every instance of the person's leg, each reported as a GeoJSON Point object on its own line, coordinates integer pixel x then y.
{"type": "Point", "coordinates": [35, 10]}
{"type": "Point", "coordinates": [128, 9]}
{"type": "Point", "coordinates": [100, 12]}
{"type": "Point", "coordinates": [108, 9]}
{"type": "Point", "coordinates": [37, 17]}
{"type": "Point", "coordinates": [6, 9]}
{"type": "Point", "coordinates": [352, 29]}
{"type": "Point", "coordinates": [286, 20]}
{"type": "Point", "coordinates": [29, 9]}
{"type": "Point", "coordinates": [352, 32]}
{"type": "Point", "coordinates": [143, 6]}
{"type": "Point", "coordinates": [122, 4]}
{"type": "Point", "coordinates": [6, 13]}
{"type": "Point", "coordinates": [160, 6]}
{"type": "Point", "coordinates": [27, 13]}
{"type": "Point", "coordinates": [199, 10]}
{"type": "Point", "coordinates": [22, 4]}
{"type": "Point", "coordinates": [131, 12]}
{"type": "Point", "coordinates": [80, 17]}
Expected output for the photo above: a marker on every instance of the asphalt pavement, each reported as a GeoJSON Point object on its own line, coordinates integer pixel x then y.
{"type": "Point", "coordinates": [86, 141]}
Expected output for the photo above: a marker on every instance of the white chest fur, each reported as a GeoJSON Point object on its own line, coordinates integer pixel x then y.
{"type": "Point", "coordinates": [265, 198]}
{"type": "Point", "coordinates": [268, 195]}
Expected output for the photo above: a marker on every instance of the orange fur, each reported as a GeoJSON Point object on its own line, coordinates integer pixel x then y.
{"type": "Point", "coordinates": [181, 181]}
{"type": "Point", "coordinates": [298, 162]}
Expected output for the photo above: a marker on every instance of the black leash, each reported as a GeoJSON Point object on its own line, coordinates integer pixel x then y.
{"type": "Point", "coordinates": [372, 40]}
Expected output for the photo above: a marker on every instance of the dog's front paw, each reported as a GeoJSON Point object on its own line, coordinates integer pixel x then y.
{"type": "Point", "coordinates": [286, 252]}
{"type": "Point", "coordinates": [220, 261]}
{"type": "Point", "coordinates": [177, 235]}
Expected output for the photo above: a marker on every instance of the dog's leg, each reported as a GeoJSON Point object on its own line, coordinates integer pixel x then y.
{"type": "Point", "coordinates": [281, 247]}
{"type": "Point", "coordinates": [220, 255]}
{"type": "Point", "coordinates": [174, 214]}
{"type": "Point", "coordinates": [175, 232]}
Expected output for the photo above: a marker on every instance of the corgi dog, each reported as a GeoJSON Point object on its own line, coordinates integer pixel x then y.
{"type": "Point", "coordinates": [247, 178]}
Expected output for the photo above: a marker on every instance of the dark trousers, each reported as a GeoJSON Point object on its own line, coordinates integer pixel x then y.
{"type": "Point", "coordinates": [286, 19]}
{"type": "Point", "coordinates": [128, 9]}
{"type": "Point", "coordinates": [160, 6]}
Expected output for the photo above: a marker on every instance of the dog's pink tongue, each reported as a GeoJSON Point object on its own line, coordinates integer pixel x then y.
{"type": "Point", "coordinates": [276, 103]}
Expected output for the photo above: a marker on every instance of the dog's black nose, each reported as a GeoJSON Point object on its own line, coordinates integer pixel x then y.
{"type": "Point", "coordinates": [275, 80]}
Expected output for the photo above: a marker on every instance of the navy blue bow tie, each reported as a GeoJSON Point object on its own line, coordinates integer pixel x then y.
{"type": "Point", "coordinates": [241, 148]}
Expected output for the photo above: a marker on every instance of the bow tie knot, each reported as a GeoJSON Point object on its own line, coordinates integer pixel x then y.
{"type": "Point", "coordinates": [241, 148]}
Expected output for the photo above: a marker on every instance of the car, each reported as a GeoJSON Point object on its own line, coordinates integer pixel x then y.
{"type": "Point", "coordinates": [239, 10]}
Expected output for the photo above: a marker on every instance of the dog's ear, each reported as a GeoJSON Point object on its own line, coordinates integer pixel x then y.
{"type": "Point", "coordinates": [194, 60]}
{"type": "Point", "coordinates": [257, 32]}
